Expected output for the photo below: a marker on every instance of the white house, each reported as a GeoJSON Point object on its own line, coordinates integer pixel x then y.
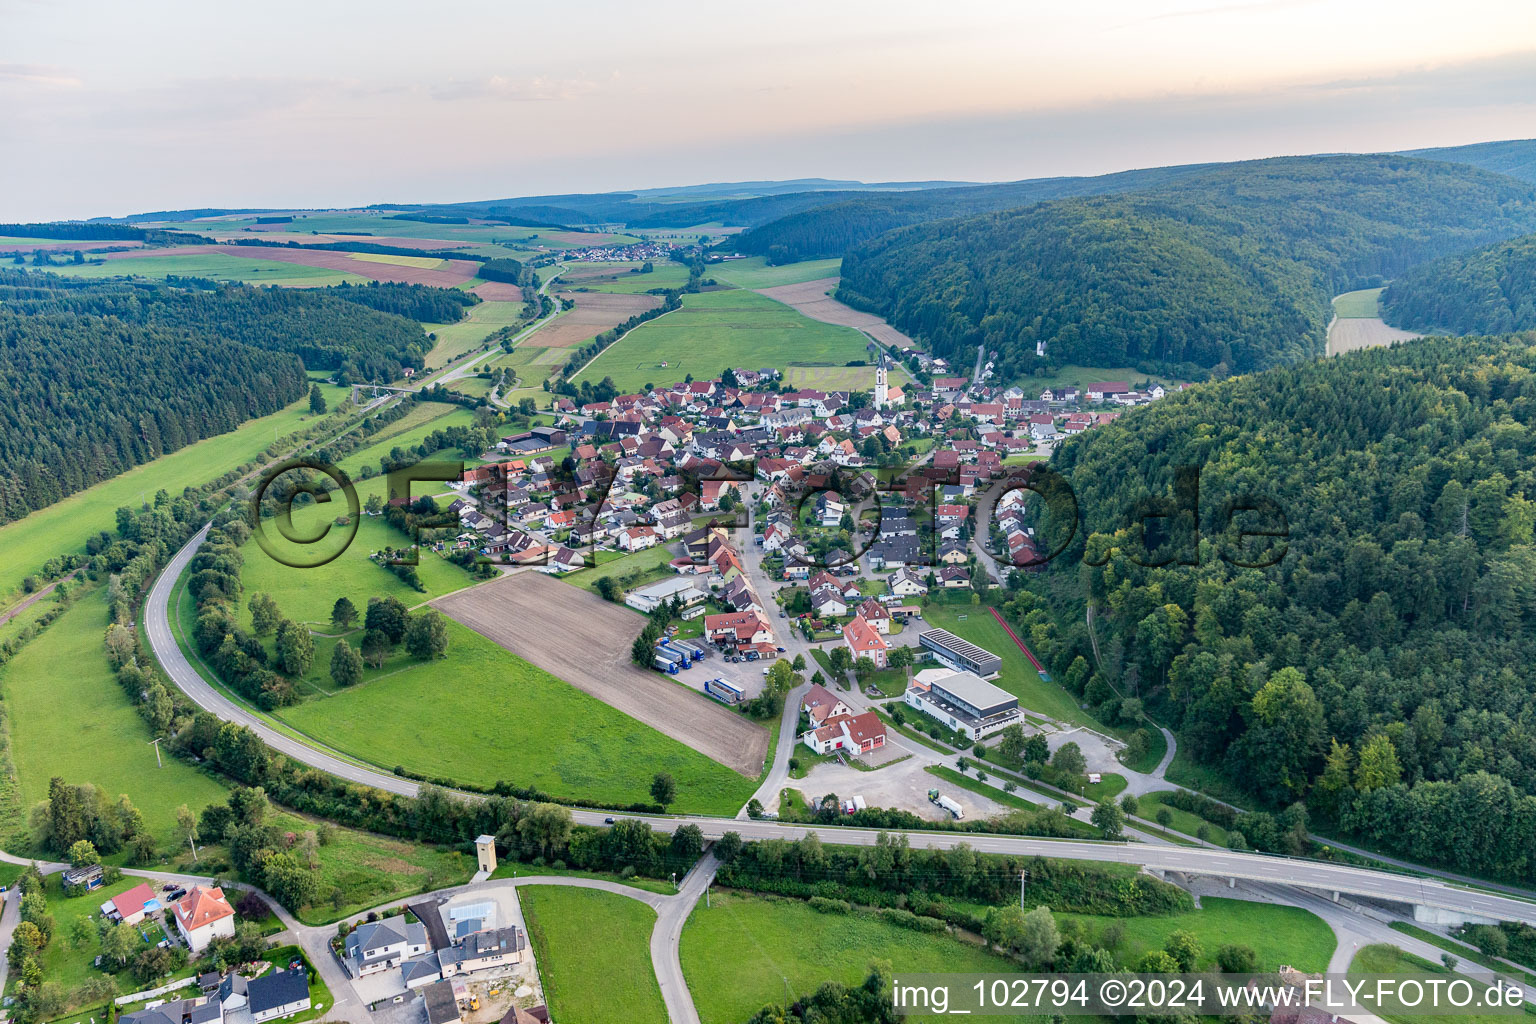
{"type": "Point", "coordinates": [278, 994]}
{"type": "Point", "coordinates": [203, 915]}
{"type": "Point", "coordinates": [380, 945]}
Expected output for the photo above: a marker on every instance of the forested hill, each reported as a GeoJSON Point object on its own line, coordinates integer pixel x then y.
{"type": "Point", "coordinates": [1228, 270]}
{"type": "Point", "coordinates": [1514, 157]}
{"type": "Point", "coordinates": [103, 376]}
{"type": "Point", "coordinates": [1384, 671]}
{"type": "Point", "coordinates": [1487, 291]}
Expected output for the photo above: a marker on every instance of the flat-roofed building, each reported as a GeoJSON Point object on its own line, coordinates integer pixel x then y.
{"type": "Point", "coordinates": [966, 703]}
{"type": "Point", "coordinates": [960, 654]}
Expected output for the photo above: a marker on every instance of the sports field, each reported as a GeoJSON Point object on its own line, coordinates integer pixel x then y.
{"type": "Point", "coordinates": [781, 949]}
{"type": "Point", "coordinates": [65, 526]}
{"type": "Point", "coordinates": [756, 273]}
{"type": "Point", "coordinates": [593, 952]}
{"type": "Point", "coordinates": [68, 717]}
{"type": "Point", "coordinates": [716, 330]}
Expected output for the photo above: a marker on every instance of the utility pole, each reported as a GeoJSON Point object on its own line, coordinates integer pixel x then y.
{"type": "Point", "coordinates": [706, 897]}
{"type": "Point", "coordinates": [192, 843]}
{"type": "Point", "coordinates": [156, 744]}
{"type": "Point", "coordinates": [1023, 878]}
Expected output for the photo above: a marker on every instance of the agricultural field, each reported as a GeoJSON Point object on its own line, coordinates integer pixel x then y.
{"type": "Point", "coordinates": [756, 273]}
{"type": "Point", "coordinates": [306, 595]}
{"type": "Point", "coordinates": [216, 266]}
{"type": "Point", "coordinates": [1018, 675]}
{"type": "Point", "coordinates": [483, 714]}
{"type": "Point", "coordinates": [454, 340]}
{"type": "Point", "coordinates": [716, 330]}
{"type": "Point", "coordinates": [623, 278]}
{"type": "Point", "coordinates": [1364, 302]}
{"type": "Point", "coordinates": [93, 736]}
{"type": "Point", "coordinates": [1358, 323]}
{"type": "Point", "coordinates": [593, 952]}
{"type": "Point", "coordinates": [781, 949]}
{"type": "Point", "coordinates": [595, 312]}
{"type": "Point", "coordinates": [841, 378]}
{"type": "Point", "coordinates": [434, 416]}
{"type": "Point", "coordinates": [652, 563]}
{"type": "Point", "coordinates": [1278, 934]}
{"type": "Point", "coordinates": [64, 526]}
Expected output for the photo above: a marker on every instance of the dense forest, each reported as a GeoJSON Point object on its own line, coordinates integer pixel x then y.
{"type": "Point", "coordinates": [1488, 291]}
{"type": "Point", "coordinates": [104, 376]}
{"type": "Point", "coordinates": [412, 301]}
{"type": "Point", "coordinates": [1384, 671]}
{"type": "Point", "coordinates": [1228, 270]}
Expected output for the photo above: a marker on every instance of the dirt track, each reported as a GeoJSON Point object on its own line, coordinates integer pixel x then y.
{"type": "Point", "coordinates": [595, 312]}
{"type": "Point", "coordinates": [1346, 334]}
{"type": "Point", "coordinates": [585, 640]}
{"type": "Point", "coordinates": [811, 298]}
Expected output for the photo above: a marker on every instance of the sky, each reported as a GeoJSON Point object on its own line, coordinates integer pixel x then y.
{"type": "Point", "coordinates": [108, 109]}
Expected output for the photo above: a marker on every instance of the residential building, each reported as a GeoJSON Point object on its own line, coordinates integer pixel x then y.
{"type": "Point", "coordinates": [865, 642]}
{"type": "Point", "coordinates": [132, 906]}
{"type": "Point", "coordinates": [857, 734]}
{"type": "Point", "coordinates": [203, 915]}
{"type": "Point", "coordinates": [278, 994]}
{"type": "Point", "coordinates": [379, 945]}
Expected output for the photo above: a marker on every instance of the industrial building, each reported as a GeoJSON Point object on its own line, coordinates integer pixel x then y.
{"type": "Point", "coordinates": [966, 703]}
{"type": "Point", "coordinates": [960, 655]}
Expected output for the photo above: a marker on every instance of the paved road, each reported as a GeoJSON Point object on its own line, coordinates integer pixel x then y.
{"type": "Point", "coordinates": [1195, 860]}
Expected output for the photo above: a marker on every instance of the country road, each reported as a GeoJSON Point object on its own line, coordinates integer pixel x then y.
{"type": "Point", "coordinates": [1320, 875]}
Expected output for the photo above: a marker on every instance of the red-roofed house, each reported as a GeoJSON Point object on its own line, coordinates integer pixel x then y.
{"type": "Point", "coordinates": [203, 915]}
{"type": "Point", "coordinates": [131, 906]}
{"type": "Point", "coordinates": [821, 704]}
{"type": "Point", "coordinates": [742, 628]}
{"type": "Point", "coordinates": [857, 734]}
{"type": "Point", "coordinates": [876, 615]}
{"type": "Point", "coordinates": [865, 642]}
{"type": "Point", "coordinates": [638, 538]}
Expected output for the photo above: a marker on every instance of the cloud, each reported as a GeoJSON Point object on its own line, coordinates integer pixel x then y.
{"type": "Point", "coordinates": [518, 90]}
{"type": "Point", "coordinates": [39, 74]}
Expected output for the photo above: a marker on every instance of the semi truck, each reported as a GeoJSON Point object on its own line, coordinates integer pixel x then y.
{"type": "Point", "coordinates": [935, 797]}
{"type": "Point", "coordinates": [693, 650]}
{"type": "Point", "coordinates": [724, 692]}
{"type": "Point", "coordinates": [665, 664]}
{"type": "Point", "coordinates": [683, 660]}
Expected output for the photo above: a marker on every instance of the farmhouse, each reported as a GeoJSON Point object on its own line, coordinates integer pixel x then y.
{"type": "Point", "coordinates": [966, 703]}
{"type": "Point", "coordinates": [203, 915]}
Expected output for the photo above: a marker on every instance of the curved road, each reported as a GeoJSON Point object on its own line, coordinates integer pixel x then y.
{"type": "Point", "coordinates": [1319, 875]}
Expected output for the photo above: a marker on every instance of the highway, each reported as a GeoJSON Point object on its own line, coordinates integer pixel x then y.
{"type": "Point", "coordinates": [1319, 875]}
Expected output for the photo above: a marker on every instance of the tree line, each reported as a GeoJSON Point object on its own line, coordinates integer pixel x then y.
{"type": "Point", "coordinates": [1382, 672]}
{"type": "Point", "coordinates": [1491, 290]}
{"type": "Point", "coordinates": [1225, 271]}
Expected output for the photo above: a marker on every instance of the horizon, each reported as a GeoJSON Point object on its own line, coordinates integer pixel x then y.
{"type": "Point", "coordinates": [348, 110]}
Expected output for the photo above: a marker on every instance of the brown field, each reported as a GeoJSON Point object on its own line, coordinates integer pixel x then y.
{"type": "Point", "coordinates": [451, 274]}
{"type": "Point", "coordinates": [554, 626]}
{"type": "Point", "coordinates": [498, 291]}
{"type": "Point", "coordinates": [285, 233]}
{"type": "Point", "coordinates": [594, 312]}
{"type": "Point", "coordinates": [577, 238]}
{"type": "Point", "coordinates": [1346, 334]}
{"type": "Point", "coordinates": [812, 298]}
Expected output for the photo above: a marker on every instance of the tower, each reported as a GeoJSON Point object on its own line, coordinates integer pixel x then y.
{"type": "Point", "coordinates": [485, 853]}
{"type": "Point", "coordinates": [880, 383]}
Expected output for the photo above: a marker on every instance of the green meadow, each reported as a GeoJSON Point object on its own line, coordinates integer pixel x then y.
{"type": "Point", "coordinates": [623, 278]}
{"type": "Point", "coordinates": [215, 265]}
{"type": "Point", "coordinates": [483, 320]}
{"type": "Point", "coordinates": [1362, 303]}
{"type": "Point", "coordinates": [68, 717]}
{"type": "Point", "coordinates": [593, 952]}
{"type": "Point", "coordinates": [716, 330]}
{"type": "Point", "coordinates": [756, 273]}
{"type": "Point", "coordinates": [1278, 934]}
{"type": "Point", "coordinates": [483, 714]}
{"type": "Point", "coordinates": [781, 949]}
{"type": "Point", "coordinates": [65, 526]}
